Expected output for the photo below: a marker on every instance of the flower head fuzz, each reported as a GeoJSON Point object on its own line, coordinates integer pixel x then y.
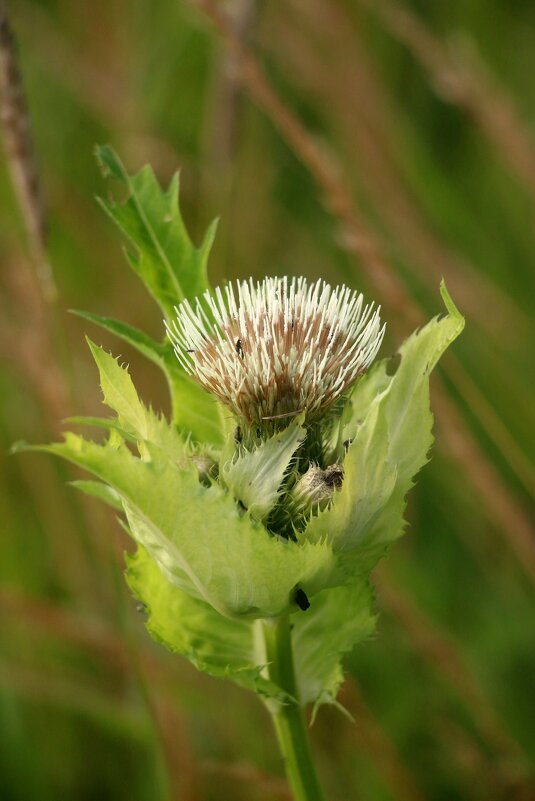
{"type": "Point", "coordinates": [273, 349]}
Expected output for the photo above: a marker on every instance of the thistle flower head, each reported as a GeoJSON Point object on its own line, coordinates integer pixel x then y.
{"type": "Point", "coordinates": [274, 349]}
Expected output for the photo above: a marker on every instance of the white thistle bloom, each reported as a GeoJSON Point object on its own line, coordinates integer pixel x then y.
{"type": "Point", "coordinates": [277, 348]}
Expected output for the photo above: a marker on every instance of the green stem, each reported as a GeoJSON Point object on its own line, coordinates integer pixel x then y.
{"type": "Point", "coordinates": [288, 717]}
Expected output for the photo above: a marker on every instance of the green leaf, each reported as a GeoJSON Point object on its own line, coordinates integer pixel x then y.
{"type": "Point", "coordinates": [391, 429]}
{"type": "Point", "coordinates": [107, 423]}
{"type": "Point", "coordinates": [195, 412]}
{"type": "Point", "coordinates": [154, 351]}
{"type": "Point", "coordinates": [172, 269]}
{"type": "Point", "coordinates": [120, 395]}
{"type": "Point", "coordinates": [119, 391]}
{"type": "Point", "coordinates": [391, 442]}
{"type": "Point", "coordinates": [165, 259]}
{"type": "Point", "coordinates": [337, 619]}
{"type": "Point", "coordinates": [255, 476]}
{"type": "Point", "coordinates": [96, 489]}
{"type": "Point", "coordinates": [188, 626]}
{"type": "Point", "coordinates": [196, 534]}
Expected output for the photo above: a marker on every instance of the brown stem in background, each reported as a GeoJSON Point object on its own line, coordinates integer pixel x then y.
{"type": "Point", "coordinates": [321, 164]}
{"type": "Point", "coordinates": [362, 112]}
{"type": "Point", "coordinates": [459, 77]}
{"type": "Point", "coordinates": [20, 153]}
{"type": "Point", "coordinates": [221, 130]}
{"type": "Point", "coordinates": [502, 507]}
{"type": "Point", "coordinates": [30, 325]}
{"type": "Point", "coordinates": [506, 516]}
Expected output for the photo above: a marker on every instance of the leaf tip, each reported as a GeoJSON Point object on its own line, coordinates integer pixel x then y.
{"type": "Point", "coordinates": [20, 446]}
{"type": "Point", "coordinates": [108, 162]}
{"type": "Point", "coordinates": [448, 301]}
{"type": "Point", "coordinates": [95, 349]}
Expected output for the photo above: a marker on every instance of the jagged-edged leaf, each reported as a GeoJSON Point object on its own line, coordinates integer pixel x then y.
{"type": "Point", "coordinates": [338, 619]}
{"type": "Point", "coordinates": [390, 445]}
{"type": "Point", "coordinates": [120, 395]}
{"type": "Point", "coordinates": [195, 412]}
{"type": "Point", "coordinates": [196, 534]}
{"type": "Point", "coordinates": [165, 259]}
{"type": "Point", "coordinates": [190, 627]}
{"type": "Point", "coordinates": [119, 391]}
{"type": "Point", "coordinates": [254, 476]}
{"type": "Point", "coordinates": [172, 269]}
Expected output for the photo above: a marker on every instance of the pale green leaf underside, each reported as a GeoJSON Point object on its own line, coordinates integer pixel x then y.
{"type": "Point", "coordinates": [337, 620]}
{"type": "Point", "coordinates": [392, 436]}
{"type": "Point", "coordinates": [188, 626]}
{"type": "Point", "coordinates": [254, 477]}
{"type": "Point", "coordinates": [196, 535]}
{"type": "Point", "coordinates": [391, 427]}
{"type": "Point", "coordinates": [120, 395]}
{"type": "Point", "coordinates": [195, 411]}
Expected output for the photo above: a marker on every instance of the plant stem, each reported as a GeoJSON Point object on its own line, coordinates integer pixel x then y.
{"type": "Point", "coordinates": [288, 717]}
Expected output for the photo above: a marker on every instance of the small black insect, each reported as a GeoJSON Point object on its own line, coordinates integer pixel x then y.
{"type": "Point", "coordinates": [238, 435]}
{"type": "Point", "coordinates": [190, 350]}
{"type": "Point", "coordinates": [301, 599]}
{"type": "Point", "coordinates": [239, 349]}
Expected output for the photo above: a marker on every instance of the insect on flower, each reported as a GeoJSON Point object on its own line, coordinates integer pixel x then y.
{"type": "Point", "coordinates": [306, 345]}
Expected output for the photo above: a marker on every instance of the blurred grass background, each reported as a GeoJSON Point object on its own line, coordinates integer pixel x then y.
{"type": "Point", "coordinates": [382, 145]}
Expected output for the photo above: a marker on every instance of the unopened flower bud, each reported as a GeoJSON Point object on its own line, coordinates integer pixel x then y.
{"type": "Point", "coordinates": [314, 491]}
{"type": "Point", "coordinates": [206, 468]}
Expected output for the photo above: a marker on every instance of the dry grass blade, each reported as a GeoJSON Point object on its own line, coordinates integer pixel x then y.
{"type": "Point", "coordinates": [359, 239]}
{"type": "Point", "coordinates": [221, 135]}
{"type": "Point", "coordinates": [20, 152]}
{"type": "Point", "coordinates": [503, 506]}
{"type": "Point", "coordinates": [303, 47]}
{"type": "Point", "coordinates": [30, 348]}
{"type": "Point", "coordinates": [459, 77]}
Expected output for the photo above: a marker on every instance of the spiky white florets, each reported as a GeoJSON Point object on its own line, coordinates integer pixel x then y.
{"type": "Point", "coordinates": [276, 348]}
